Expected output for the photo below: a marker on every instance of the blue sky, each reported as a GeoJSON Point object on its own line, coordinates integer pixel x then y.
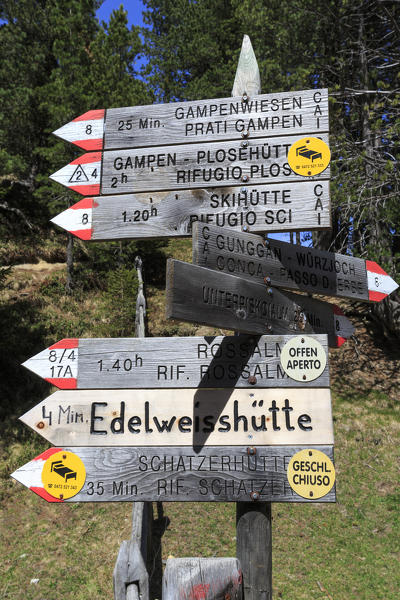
{"type": "Point", "coordinates": [134, 8]}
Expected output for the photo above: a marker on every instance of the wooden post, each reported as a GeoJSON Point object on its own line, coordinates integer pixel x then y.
{"type": "Point", "coordinates": [253, 520]}
{"type": "Point", "coordinates": [140, 302]}
{"type": "Point", "coordinates": [131, 572]}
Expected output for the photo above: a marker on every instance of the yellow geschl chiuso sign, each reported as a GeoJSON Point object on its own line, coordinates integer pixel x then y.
{"type": "Point", "coordinates": [309, 156]}
{"type": "Point", "coordinates": [311, 474]}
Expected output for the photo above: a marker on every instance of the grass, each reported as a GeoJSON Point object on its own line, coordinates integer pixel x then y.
{"type": "Point", "coordinates": [343, 551]}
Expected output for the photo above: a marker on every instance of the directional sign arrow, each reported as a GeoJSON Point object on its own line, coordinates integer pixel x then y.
{"type": "Point", "coordinates": [211, 474]}
{"type": "Point", "coordinates": [297, 113]}
{"type": "Point", "coordinates": [301, 205]}
{"type": "Point", "coordinates": [201, 295]}
{"type": "Point", "coordinates": [191, 417]}
{"type": "Point", "coordinates": [216, 164]}
{"type": "Point", "coordinates": [82, 175]}
{"type": "Point", "coordinates": [184, 362]}
{"type": "Point", "coordinates": [289, 266]}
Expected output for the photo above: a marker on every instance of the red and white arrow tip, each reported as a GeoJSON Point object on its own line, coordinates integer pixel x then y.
{"type": "Point", "coordinates": [78, 219]}
{"type": "Point", "coordinates": [82, 175]}
{"type": "Point", "coordinates": [380, 284]}
{"type": "Point", "coordinates": [85, 131]}
{"type": "Point", "coordinates": [30, 475]}
{"type": "Point", "coordinates": [344, 328]}
{"type": "Point", "coordinates": [58, 364]}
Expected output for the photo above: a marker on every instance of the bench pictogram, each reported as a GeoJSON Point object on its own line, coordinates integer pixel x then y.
{"type": "Point", "coordinates": [308, 153]}
{"type": "Point", "coordinates": [65, 472]}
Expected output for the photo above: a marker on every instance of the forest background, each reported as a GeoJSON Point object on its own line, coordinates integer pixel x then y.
{"type": "Point", "coordinates": [57, 62]}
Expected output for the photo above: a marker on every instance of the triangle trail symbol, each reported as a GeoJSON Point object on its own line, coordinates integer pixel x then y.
{"type": "Point", "coordinates": [78, 176]}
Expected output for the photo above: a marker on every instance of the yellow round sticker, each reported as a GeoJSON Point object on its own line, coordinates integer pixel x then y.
{"type": "Point", "coordinates": [63, 474]}
{"type": "Point", "coordinates": [309, 156]}
{"type": "Point", "coordinates": [311, 474]}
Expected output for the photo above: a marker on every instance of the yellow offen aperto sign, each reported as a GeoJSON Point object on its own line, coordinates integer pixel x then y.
{"type": "Point", "coordinates": [309, 156]}
{"type": "Point", "coordinates": [311, 474]}
{"type": "Point", "coordinates": [63, 475]}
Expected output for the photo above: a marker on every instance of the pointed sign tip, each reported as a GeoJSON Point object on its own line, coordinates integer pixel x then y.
{"type": "Point", "coordinates": [247, 78]}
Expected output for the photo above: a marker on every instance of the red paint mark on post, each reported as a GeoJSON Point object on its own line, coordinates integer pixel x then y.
{"type": "Point", "coordinates": [96, 144]}
{"type": "Point", "coordinates": [83, 234]}
{"type": "Point", "coordinates": [91, 115]}
{"type": "Point", "coordinates": [86, 189]}
{"type": "Point", "coordinates": [65, 343]}
{"type": "Point", "coordinates": [85, 159]}
{"type": "Point", "coordinates": [68, 383]}
{"type": "Point", "coordinates": [47, 453]}
{"type": "Point", "coordinates": [45, 495]}
{"type": "Point", "coordinates": [199, 591]}
{"type": "Point", "coordinates": [373, 267]}
{"type": "Point", "coordinates": [376, 296]}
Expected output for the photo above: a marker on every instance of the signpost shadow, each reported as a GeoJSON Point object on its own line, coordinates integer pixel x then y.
{"type": "Point", "coordinates": [217, 369]}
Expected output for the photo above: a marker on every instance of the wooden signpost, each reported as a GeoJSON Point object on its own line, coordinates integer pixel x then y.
{"type": "Point", "coordinates": [180, 362]}
{"type": "Point", "coordinates": [200, 295]}
{"type": "Point", "coordinates": [289, 266]}
{"type": "Point", "coordinates": [301, 112]}
{"type": "Point", "coordinates": [195, 418]}
{"type": "Point", "coordinates": [215, 474]}
{"type": "Point", "coordinates": [288, 206]}
{"type": "Point", "coordinates": [245, 419]}
{"type": "Point", "coordinates": [189, 166]}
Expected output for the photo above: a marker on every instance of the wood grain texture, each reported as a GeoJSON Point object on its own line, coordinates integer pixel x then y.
{"type": "Point", "coordinates": [184, 362]}
{"type": "Point", "coordinates": [302, 205]}
{"type": "Point", "coordinates": [286, 265]}
{"type": "Point", "coordinates": [200, 295]}
{"type": "Point", "coordinates": [192, 418]}
{"type": "Point", "coordinates": [130, 575]}
{"type": "Point", "coordinates": [202, 578]}
{"type": "Point", "coordinates": [247, 78]}
{"type": "Point", "coordinates": [297, 113]}
{"type": "Point", "coordinates": [213, 474]}
{"type": "Point", "coordinates": [254, 549]}
{"type": "Point", "coordinates": [217, 164]}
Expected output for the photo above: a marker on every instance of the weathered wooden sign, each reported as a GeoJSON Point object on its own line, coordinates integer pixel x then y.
{"type": "Point", "coordinates": [300, 205]}
{"type": "Point", "coordinates": [175, 362]}
{"type": "Point", "coordinates": [290, 266]}
{"type": "Point", "coordinates": [212, 474]}
{"type": "Point", "coordinates": [187, 417]}
{"type": "Point", "coordinates": [299, 113]}
{"type": "Point", "coordinates": [216, 164]}
{"type": "Point", "coordinates": [201, 295]}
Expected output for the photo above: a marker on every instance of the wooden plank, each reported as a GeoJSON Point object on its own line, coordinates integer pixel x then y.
{"type": "Point", "coordinates": [130, 575]}
{"type": "Point", "coordinates": [216, 164]}
{"type": "Point", "coordinates": [200, 295]}
{"type": "Point", "coordinates": [227, 474]}
{"type": "Point", "coordinates": [202, 578]}
{"type": "Point", "coordinates": [296, 113]}
{"type": "Point", "coordinates": [184, 362]}
{"type": "Point", "coordinates": [289, 266]}
{"type": "Point", "coordinates": [289, 206]}
{"type": "Point", "coordinates": [247, 77]}
{"type": "Point", "coordinates": [184, 417]}
{"type": "Point", "coordinates": [254, 539]}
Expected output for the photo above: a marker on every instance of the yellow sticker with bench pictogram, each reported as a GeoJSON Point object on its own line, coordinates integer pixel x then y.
{"type": "Point", "coordinates": [309, 156]}
{"type": "Point", "coordinates": [63, 474]}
